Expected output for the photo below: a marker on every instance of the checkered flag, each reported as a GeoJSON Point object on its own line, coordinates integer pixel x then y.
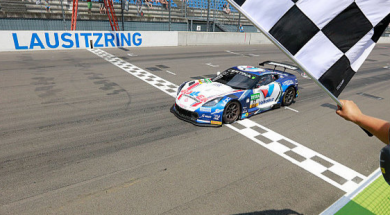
{"type": "Point", "coordinates": [329, 39]}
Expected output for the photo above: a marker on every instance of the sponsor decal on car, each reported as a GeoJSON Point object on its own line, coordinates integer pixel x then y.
{"type": "Point", "coordinates": [253, 104]}
{"type": "Point", "coordinates": [205, 81]}
{"type": "Point", "coordinates": [268, 92]}
{"type": "Point", "coordinates": [288, 82]}
{"type": "Point", "coordinates": [217, 111]}
{"type": "Point", "coordinates": [201, 98]}
{"type": "Point", "coordinates": [225, 101]}
{"type": "Point", "coordinates": [241, 73]}
{"type": "Point", "coordinates": [255, 99]}
{"type": "Point", "coordinates": [255, 96]}
{"type": "Point", "coordinates": [205, 116]}
{"type": "Point", "coordinates": [266, 101]}
{"type": "Point", "coordinates": [204, 109]}
{"type": "Point", "coordinates": [217, 117]}
{"type": "Point", "coordinates": [194, 94]}
{"type": "Point", "coordinates": [216, 122]}
{"type": "Point", "coordinates": [244, 115]}
{"type": "Point", "coordinates": [244, 110]}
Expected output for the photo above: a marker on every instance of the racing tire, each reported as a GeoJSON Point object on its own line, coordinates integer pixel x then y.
{"type": "Point", "coordinates": [231, 112]}
{"type": "Point", "coordinates": [289, 96]}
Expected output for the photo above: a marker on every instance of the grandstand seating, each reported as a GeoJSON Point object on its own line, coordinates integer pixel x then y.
{"type": "Point", "coordinates": [28, 9]}
{"type": "Point", "coordinates": [202, 4]}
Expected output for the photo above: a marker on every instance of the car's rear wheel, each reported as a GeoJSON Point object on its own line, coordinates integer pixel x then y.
{"type": "Point", "coordinates": [288, 96]}
{"type": "Point", "coordinates": [231, 112]}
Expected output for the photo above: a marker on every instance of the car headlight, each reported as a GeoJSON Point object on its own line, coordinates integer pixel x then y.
{"type": "Point", "coordinates": [212, 102]}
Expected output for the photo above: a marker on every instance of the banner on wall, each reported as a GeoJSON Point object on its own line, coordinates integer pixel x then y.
{"type": "Point", "coordinates": [53, 40]}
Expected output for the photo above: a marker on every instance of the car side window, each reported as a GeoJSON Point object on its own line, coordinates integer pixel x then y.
{"type": "Point", "coordinates": [264, 80]}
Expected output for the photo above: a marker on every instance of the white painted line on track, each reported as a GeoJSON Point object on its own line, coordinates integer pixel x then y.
{"type": "Point", "coordinates": [212, 65]}
{"type": "Point", "coordinates": [288, 108]}
{"type": "Point", "coordinates": [235, 53]}
{"type": "Point", "coordinates": [170, 72]}
{"type": "Point", "coordinates": [330, 171]}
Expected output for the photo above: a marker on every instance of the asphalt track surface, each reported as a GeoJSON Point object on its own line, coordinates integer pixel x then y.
{"type": "Point", "coordinates": [78, 135]}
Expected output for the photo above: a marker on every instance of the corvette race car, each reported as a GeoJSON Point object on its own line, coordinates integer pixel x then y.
{"type": "Point", "coordinates": [237, 93]}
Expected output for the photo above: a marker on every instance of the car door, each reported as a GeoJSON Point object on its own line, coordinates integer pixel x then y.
{"type": "Point", "coordinates": [265, 94]}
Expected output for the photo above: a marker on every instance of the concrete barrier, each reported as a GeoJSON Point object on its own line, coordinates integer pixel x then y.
{"type": "Point", "coordinates": [384, 40]}
{"type": "Point", "coordinates": [258, 38]}
{"type": "Point", "coordinates": [219, 38]}
{"type": "Point", "coordinates": [54, 40]}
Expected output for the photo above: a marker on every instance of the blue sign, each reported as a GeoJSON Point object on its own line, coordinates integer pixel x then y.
{"type": "Point", "coordinates": [67, 40]}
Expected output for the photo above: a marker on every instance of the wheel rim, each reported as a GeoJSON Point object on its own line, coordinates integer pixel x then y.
{"type": "Point", "coordinates": [289, 96]}
{"type": "Point", "coordinates": [232, 111]}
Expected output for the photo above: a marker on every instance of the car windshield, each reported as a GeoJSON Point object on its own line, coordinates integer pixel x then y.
{"type": "Point", "coordinates": [237, 79]}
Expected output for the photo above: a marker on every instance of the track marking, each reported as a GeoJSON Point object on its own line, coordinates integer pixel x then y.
{"type": "Point", "coordinates": [235, 53]}
{"type": "Point", "coordinates": [170, 72]}
{"type": "Point", "coordinates": [212, 65]}
{"type": "Point", "coordinates": [370, 96]}
{"type": "Point", "coordinates": [325, 168]}
{"type": "Point", "coordinates": [291, 109]}
{"type": "Point", "coordinates": [300, 155]}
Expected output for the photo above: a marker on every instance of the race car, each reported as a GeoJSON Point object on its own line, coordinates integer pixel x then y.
{"type": "Point", "coordinates": [237, 93]}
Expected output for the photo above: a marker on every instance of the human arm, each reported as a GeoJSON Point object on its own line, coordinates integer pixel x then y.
{"type": "Point", "coordinates": [378, 127]}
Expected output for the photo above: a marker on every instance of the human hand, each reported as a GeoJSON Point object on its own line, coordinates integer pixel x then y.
{"type": "Point", "coordinates": [350, 111]}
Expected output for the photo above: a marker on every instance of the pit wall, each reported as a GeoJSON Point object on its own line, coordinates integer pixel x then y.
{"type": "Point", "coordinates": [60, 40]}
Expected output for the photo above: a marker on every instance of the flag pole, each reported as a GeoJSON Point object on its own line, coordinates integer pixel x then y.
{"type": "Point", "coordinates": [284, 50]}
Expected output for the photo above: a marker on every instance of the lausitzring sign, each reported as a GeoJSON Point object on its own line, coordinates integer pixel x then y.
{"type": "Point", "coordinates": [53, 40]}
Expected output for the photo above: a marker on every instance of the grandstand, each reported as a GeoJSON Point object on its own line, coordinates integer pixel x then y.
{"type": "Point", "coordinates": [181, 16]}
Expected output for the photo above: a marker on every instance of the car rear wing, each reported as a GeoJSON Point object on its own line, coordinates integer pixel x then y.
{"type": "Point", "coordinates": [285, 66]}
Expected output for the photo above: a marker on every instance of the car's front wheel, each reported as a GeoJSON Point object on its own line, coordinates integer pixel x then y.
{"type": "Point", "coordinates": [288, 96]}
{"type": "Point", "coordinates": [231, 112]}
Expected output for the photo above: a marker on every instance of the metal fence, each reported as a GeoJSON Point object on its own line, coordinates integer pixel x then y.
{"type": "Point", "coordinates": [179, 15]}
{"type": "Point", "coordinates": [191, 15]}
